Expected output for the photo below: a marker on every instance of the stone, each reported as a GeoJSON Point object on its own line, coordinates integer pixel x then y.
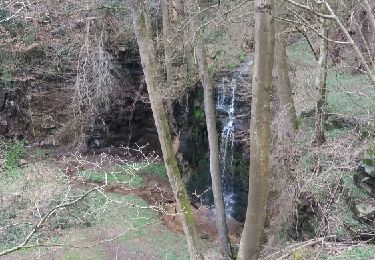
{"type": "Point", "coordinates": [4, 127]}
{"type": "Point", "coordinates": [23, 162]}
{"type": "Point", "coordinates": [365, 182]}
{"type": "Point", "coordinates": [3, 95]}
{"type": "Point", "coordinates": [364, 208]}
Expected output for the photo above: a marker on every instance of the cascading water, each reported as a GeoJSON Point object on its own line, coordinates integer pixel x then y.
{"type": "Point", "coordinates": [226, 105]}
{"type": "Point", "coordinates": [226, 108]}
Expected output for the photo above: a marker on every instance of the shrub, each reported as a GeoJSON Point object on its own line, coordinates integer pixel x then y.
{"type": "Point", "coordinates": [13, 155]}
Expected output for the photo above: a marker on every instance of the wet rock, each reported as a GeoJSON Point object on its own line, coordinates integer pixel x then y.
{"type": "Point", "coordinates": [3, 97]}
{"type": "Point", "coordinates": [368, 162]}
{"type": "Point", "coordinates": [23, 162]}
{"type": "Point", "coordinates": [364, 208]}
{"type": "Point", "coordinates": [365, 182]}
{"type": "Point", "coordinates": [3, 126]}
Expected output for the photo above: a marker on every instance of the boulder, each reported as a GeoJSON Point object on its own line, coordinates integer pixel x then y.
{"type": "Point", "coordinates": [3, 95]}
{"type": "Point", "coordinates": [365, 182]}
{"type": "Point", "coordinates": [364, 208]}
{"type": "Point", "coordinates": [3, 126]}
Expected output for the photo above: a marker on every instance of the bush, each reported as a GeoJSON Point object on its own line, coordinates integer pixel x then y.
{"type": "Point", "coordinates": [13, 155]}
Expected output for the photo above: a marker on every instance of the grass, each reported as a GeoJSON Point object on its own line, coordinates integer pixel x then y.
{"type": "Point", "coordinates": [13, 154]}
{"type": "Point", "coordinates": [350, 95]}
{"type": "Point", "coordinates": [356, 253]}
{"type": "Point", "coordinates": [122, 174]}
{"type": "Point", "coordinates": [140, 226]}
{"type": "Point", "coordinates": [128, 174]}
{"type": "Point", "coordinates": [155, 169]}
{"type": "Point", "coordinates": [103, 215]}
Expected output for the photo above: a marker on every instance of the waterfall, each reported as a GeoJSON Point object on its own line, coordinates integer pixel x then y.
{"type": "Point", "coordinates": [226, 105]}
{"type": "Point", "coordinates": [226, 108]}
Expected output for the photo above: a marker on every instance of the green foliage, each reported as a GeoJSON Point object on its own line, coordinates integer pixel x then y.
{"type": "Point", "coordinates": [214, 36]}
{"type": "Point", "coordinates": [231, 66]}
{"type": "Point", "coordinates": [241, 55]}
{"type": "Point", "coordinates": [3, 14]}
{"type": "Point", "coordinates": [155, 169]}
{"type": "Point", "coordinates": [356, 253]}
{"type": "Point", "coordinates": [298, 255]}
{"type": "Point", "coordinates": [40, 153]}
{"type": "Point", "coordinates": [6, 76]}
{"type": "Point", "coordinates": [13, 155]}
{"type": "Point", "coordinates": [28, 38]}
{"type": "Point", "coordinates": [352, 191]}
{"type": "Point", "coordinates": [199, 114]}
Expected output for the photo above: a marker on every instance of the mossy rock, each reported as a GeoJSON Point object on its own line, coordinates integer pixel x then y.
{"type": "Point", "coordinates": [365, 209]}
{"type": "Point", "coordinates": [368, 161]}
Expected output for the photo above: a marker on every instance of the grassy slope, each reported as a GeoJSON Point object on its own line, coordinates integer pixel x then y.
{"type": "Point", "coordinates": [349, 96]}
{"type": "Point", "coordinates": [136, 227]}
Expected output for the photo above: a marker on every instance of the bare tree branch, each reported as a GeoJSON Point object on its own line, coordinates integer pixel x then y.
{"type": "Point", "coordinates": [44, 219]}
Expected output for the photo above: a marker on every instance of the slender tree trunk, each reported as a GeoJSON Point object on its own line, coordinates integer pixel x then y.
{"type": "Point", "coordinates": [148, 57]}
{"type": "Point", "coordinates": [210, 111]}
{"type": "Point", "coordinates": [371, 17]}
{"type": "Point", "coordinates": [320, 85]}
{"type": "Point", "coordinates": [370, 14]}
{"type": "Point", "coordinates": [287, 112]}
{"type": "Point", "coordinates": [349, 38]}
{"type": "Point", "coordinates": [167, 50]}
{"type": "Point", "coordinates": [252, 236]}
{"type": "Point", "coordinates": [167, 57]}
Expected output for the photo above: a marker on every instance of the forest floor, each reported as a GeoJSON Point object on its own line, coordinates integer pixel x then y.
{"type": "Point", "coordinates": [315, 193]}
{"type": "Point", "coordinates": [133, 216]}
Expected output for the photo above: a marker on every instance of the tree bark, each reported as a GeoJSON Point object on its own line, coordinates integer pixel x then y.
{"type": "Point", "coordinates": [142, 29]}
{"type": "Point", "coordinates": [287, 112]}
{"type": "Point", "coordinates": [252, 236]}
{"type": "Point", "coordinates": [370, 14]}
{"type": "Point", "coordinates": [349, 38]}
{"type": "Point", "coordinates": [320, 85]}
{"type": "Point", "coordinates": [210, 112]}
{"type": "Point", "coordinates": [167, 52]}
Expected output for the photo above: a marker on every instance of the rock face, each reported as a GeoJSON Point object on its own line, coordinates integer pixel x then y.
{"type": "Point", "coordinates": [365, 209]}
{"type": "Point", "coordinates": [3, 126]}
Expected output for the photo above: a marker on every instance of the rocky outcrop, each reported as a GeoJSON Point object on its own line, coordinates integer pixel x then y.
{"type": "Point", "coordinates": [365, 208]}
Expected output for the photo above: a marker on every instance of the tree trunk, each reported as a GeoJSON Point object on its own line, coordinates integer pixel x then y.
{"type": "Point", "coordinates": [370, 14]}
{"type": "Point", "coordinates": [210, 112]}
{"type": "Point", "coordinates": [167, 52]}
{"type": "Point", "coordinates": [371, 18]}
{"type": "Point", "coordinates": [349, 38]}
{"type": "Point", "coordinates": [287, 112]}
{"type": "Point", "coordinates": [148, 57]}
{"type": "Point", "coordinates": [320, 85]}
{"type": "Point", "coordinates": [252, 236]}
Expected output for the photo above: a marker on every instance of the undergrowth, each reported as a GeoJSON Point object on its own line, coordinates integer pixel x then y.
{"type": "Point", "coordinates": [13, 154]}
